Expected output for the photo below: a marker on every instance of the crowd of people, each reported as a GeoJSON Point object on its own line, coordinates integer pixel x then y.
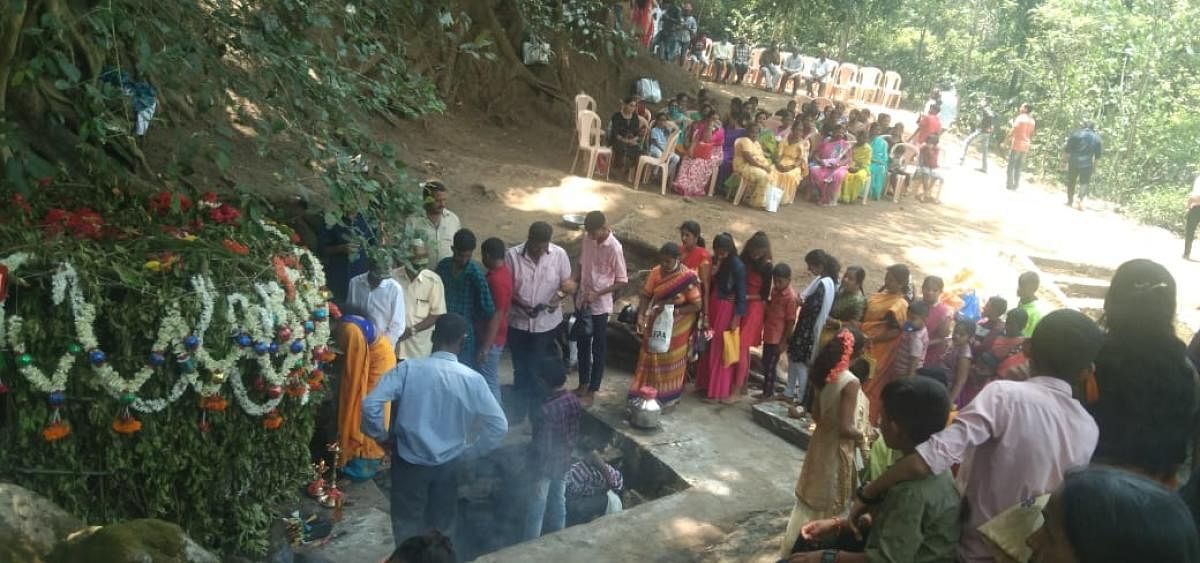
{"type": "Point", "coordinates": [925, 404]}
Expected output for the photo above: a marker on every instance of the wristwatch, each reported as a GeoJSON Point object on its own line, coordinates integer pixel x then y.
{"type": "Point", "coordinates": [861, 495]}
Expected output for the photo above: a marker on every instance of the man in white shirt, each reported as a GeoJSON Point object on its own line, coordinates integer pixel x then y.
{"type": "Point", "coordinates": [378, 296]}
{"type": "Point", "coordinates": [722, 55]}
{"type": "Point", "coordinates": [793, 71]}
{"type": "Point", "coordinates": [820, 73]}
{"type": "Point", "coordinates": [436, 227]}
{"type": "Point", "coordinates": [424, 302]}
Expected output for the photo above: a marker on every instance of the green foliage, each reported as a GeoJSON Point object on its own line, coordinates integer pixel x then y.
{"type": "Point", "coordinates": [1161, 207]}
{"type": "Point", "coordinates": [585, 25]}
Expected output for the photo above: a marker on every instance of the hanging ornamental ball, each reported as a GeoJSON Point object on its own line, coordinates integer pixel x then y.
{"type": "Point", "coordinates": [320, 314]}
{"type": "Point", "coordinates": [299, 364]}
{"type": "Point", "coordinates": [261, 348]}
{"type": "Point", "coordinates": [297, 346]}
{"type": "Point", "coordinates": [75, 348]}
{"type": "Point", "coordinates": [191, 342]}
{"type": "Point", "coordinates": [273, 347]}
{"type": "Point", "coordinates": [128, 399]}
{"type": "Point", "coordinates": [185, 363]}
{"type": "Point", "coordinates": [285, 333]}
{"type": "Point", "coordinates": [157, 359]}
{"type": "Point", "coordinates": [24, 360]}
{"type": "Point", "coordinates": [217, 376]}
{"type": "Point", "coordinates": [243, 340]}
{"type": "Point", "coordinates": [97, 357]}
{"type": "Point", "coordinates": [309, 326]}
{"type": "Point", "coordinates": [56, 399]}
{"type": "Point", "coordinates": [275, 391]}
{"type": "Point", "coordinates": [205, 425]}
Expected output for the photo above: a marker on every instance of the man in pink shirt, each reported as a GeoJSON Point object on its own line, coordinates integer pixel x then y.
{"type": "Point", "coordinates": [1019, 139]}
{"type": "Point", "coordinates": [1016, 439]}
{"type": "Point", "coordinates": [601, 273]}
{"type": "Point", "coordinates": [541, 273]}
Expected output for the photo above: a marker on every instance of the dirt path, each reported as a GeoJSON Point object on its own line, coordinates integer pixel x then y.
{"type": "Point", "coordinates": [980, 226]}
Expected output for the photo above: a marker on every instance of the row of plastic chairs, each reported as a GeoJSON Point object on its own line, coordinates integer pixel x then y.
{"type": "Point", "coordinates": [849, 81]}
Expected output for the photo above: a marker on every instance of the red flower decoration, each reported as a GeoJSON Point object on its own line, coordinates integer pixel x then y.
{"type": "Point", "coordinates": [55, 220]}
{"type": "Point", "coordinates": [224, 214]}
{"type": "Point", "coordinates": [20, 202]}
{"type": "Point", "coordinates": [236, 247]}
{"type": "Point", "coordinates": [85, 223]}
{"type": "Point", "coordinates": [161, 202]}
{"type": "Point", "coordinates": [209, 199]}
{"type": "Point", "coordinates": [45, 181]}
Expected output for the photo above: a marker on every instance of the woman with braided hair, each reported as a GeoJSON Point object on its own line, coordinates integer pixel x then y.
{"type": "Point", "coordinates": [828, 476]}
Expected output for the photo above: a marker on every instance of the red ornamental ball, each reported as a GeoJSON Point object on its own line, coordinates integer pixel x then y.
{"type": "Point", "coordinates": [285, 334]}
{"type": "Point", "coordinates": [275, 391]}
{"type": "Point", "coordinates": [205, 425]}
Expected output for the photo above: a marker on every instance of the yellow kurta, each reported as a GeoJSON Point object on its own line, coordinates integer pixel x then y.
{"type": "Point", "coordinates": [745, 152]}
{"type": "Point", "coordinates": [364, 367]}
{"type": "Point", "coordinates": [857, 182]}
{"type": "Point", "coordinates": [791, 154]}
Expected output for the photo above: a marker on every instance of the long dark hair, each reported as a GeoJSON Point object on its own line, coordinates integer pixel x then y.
{"type": "Point", "coordinates": [831, 355]}
{"type": "Point", "coordinates": [859, 275]}
{"type": "Point", "coordinates": [899, 272]}
{"type": "Point", "coordinates": [693, 228]}
{"type": "Point", "coordinates": [724, 276]}
{"type": "Point", "coordinates": [1140, 300]}
{"type": "Point", "coordinates": [763, 265]}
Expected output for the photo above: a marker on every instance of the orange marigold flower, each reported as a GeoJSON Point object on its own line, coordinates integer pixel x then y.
{"type": "Point", "coordinates": [126, 425]}
{"type": "Point", "coordinates": [272, 420]}
{"type": "Point", "coordinates": [236, 247]}
{"type": "Point", "coordinates": [214, 403]}
{"type": "Point", "coordinates": [56, 431]}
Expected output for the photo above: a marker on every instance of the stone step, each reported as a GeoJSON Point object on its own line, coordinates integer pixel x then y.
{"type": "Point", "coordinates": [773, 416]}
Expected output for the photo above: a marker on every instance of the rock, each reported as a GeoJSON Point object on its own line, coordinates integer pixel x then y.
{"type": "Point", "coordinates": [135, 541]}
{"type": "Point", "coordinates": [31, 525]}
{"type": "Point", "coordinates": [773, 416]}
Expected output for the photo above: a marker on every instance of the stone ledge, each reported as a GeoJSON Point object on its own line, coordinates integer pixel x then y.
{"type": "Point", "coordinates": [773, 416]}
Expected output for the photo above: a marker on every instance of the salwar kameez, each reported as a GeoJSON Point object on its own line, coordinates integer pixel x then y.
{"type": "Point", "coordinates": [879, 166]}
{"type": "Point", "coordinates": [857, 182]}
{"type": "Point", "coordinates": [791, 154]}
{"type": "Point", "coordinates": [830, 169]}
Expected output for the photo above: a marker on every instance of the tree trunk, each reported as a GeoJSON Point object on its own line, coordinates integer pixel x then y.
{"type": "Point", "coordinates": [13, 14]}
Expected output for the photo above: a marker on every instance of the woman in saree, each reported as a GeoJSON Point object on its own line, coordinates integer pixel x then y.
{"type": "Point", "coordinates": [697, 259]}
{"type": "Point", "coordinates": [766, 135]}
{"type": "Point", "coordinates": [858, 176]}
{"type": "Point", "coordinates": [792, 166]}
{"type": "Point", "coordinates": [882, 323]}
{"type": "Point", "coordinates": [726, 306]}
{"type": "Point", "coordinates": [702, 146]}
{"type": "Point", "coordinates": [756, 256]}
{"type": "Point", "coordinates": [734, 130]}
{"type": "Point", "coordinates": [848, 305]}
{"type": "Point", "coordinates": [643, 21]}
{"type": "Point", "coordinates": [366, 356]}
{"type": "Point", "coordinates": [832, 164]}
{"type": "Point", "coordinates": [879, 160]}
{"type": "Point", "coordinates": [752, 166]}
{"type": "Point", "coordinates": [670, 282]}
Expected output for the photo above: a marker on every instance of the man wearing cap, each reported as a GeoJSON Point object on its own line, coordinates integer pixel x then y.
{"type": "Point", "coordinates": [424, 302]}
{"type": "Point", "coordinates": [377, 295]}
{"type": "Point", "coordinates": [437, 226]}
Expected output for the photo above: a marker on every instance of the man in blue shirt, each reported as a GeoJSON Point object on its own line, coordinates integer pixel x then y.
{"type": "Point", "coordinates": [1083, 150]}
{"type": "Point", "coordinates": [436, 403]}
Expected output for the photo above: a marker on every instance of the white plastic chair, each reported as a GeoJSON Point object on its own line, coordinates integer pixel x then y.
{"type": "Point", "coordinates": [869, 82]}
{"type": "Point", "coordinates": [753, 72]}
{"type": "Point", "coordinates": [844, 80]}
{"type": "Point", "coordinates": [589, 143]}
{"type": "Point", "coordinates": [583, 102]}
{"type": "Point", "coordinates": [662, 163]}
{"type": "Point", "coordinates": [823, 103]}
{"type": "Point", "coordinates": [902, 154]}
{"type": "Point", "coordinates": [889, 93]}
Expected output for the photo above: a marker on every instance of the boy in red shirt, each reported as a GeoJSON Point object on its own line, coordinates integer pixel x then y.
{"type": "Point", "coordinates": [500, 282]}
{"type": "Point", "coordinates": [778, 324]}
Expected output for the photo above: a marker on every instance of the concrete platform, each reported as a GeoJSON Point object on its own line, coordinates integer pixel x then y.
{"type": "Point", "coordinates": [773, 416]}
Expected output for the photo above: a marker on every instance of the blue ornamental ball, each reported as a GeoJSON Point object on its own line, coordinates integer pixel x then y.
{"type": "Point", "coordinates": [157, 359]}
{"type": "Point", "coordinates": [297, 346]}
{"type": "Point", "coordinates": [97, 357]}
{"type": "Point", "coordinates": [273, 348]}
{"type": "Point", "coordinates": [57, 398]}
{"type": "Point", "coordinates": [244, 340]}
{"type": "Point", "coordinates": [309, 326]}
{"type": "Point", "coordinates": [320, 314]}
{"type": "Point", "coordinates": [191, 342]}
{"type": "Point", "coordinates": [261, 348]}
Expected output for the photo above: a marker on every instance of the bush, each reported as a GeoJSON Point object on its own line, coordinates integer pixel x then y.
{"type": "Point", "coordinates": [1162, 206]}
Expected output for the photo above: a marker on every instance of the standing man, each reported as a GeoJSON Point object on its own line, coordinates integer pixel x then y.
{"type": "Point", "coordinates": [437, 226]}
{"type": "Point", "coordinates": [440, 404]}
{"type": "Point", "coordinates": [741, 59]}
{"type": "Point", "coordinates": [983, 132]}
{"type": "Point", "coordinates": [820, 73]}
{"type": "Point", "coordinates": [601, 273]}
{"type": "Point", "coordinates": [467, 292]}
{"type": "Point", "coordinates": [342, 253]}
{"type": "Point", "coordinates": [1082, 151]}
{"type": "Point", "coordinates": [1193, 219]}
{"type": "Point", "coordinates": [668, 21]}
{"type": "Point", "coordinates": [378, 296]}
{"type": "Point", "coordinates": [424, 303]}
{"type": "Point", "coordinates": [500, 282]}
{"type": "Point", "coordinates": [928, 125]}
{"type": "Point", "coordinates": [541, 273]}
{"type": "Point", "coordinates": [1019, 138]}
{"type": "Point", "coordinates": [685, 31]}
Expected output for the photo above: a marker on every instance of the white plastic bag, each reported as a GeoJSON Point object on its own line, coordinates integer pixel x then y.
{"type": "Point", "coordinates": [535, 53]}
{"type": "Point", "coordinates": [649, 91]}
{"type": "Point", "coordinates": [774, 198]}
{"type": "Point", "coordinates": [614, 503]}
{"type": "Point", "coordinates": [660, 331]}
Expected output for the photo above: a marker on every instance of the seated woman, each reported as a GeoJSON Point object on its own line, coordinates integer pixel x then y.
{"type": "Point", "coordinates": [734, 130]}
{"type": "Point", "coordinates": [752, 166]}
{"type": "Point", "coordinates": [670, 282]}
{"type": "Point", "coordinates": [703, 158]}
{"type": "Point", "coordinates": [858, 176]}
{"type": "Point", "coordinates": [625, 137]}
{"type": "Point", "coordinates": [766, 135]}
{"type": "Point", "coordinates": [792, 166]}
{"type": "Point", "coordinates": [879, 160]}
{"type": "Point", "coordinates": [832, 164]}
{"type": "Point", "coordinates": [366, 356]}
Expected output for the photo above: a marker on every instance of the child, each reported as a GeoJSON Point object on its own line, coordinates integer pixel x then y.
{"type": "Point", "coordinates": [919, 519]}
{"type": "Point", "coordinates": [940, 320]}
{"type": "Point", "coordinates": [430, 547]}
{"type": "Point", "coordinates": [956, 360]}
{"type": "Point", "coordinates": [554, 435]}
{"type": "Point", "coordinates": [779, 322]}
{"type": "Point", "coordinates": [1027, 288]}
{"type": "Point", "coordinates": [914, 341]}
{"type": "Point", "coordinates": [658, 143]}
{"type": "Point", "coordinates": [1006, 356]}
{"type": "Point", "coordinates": [991, 326]}
{"type": "Point", "coordinates": [927, 170]}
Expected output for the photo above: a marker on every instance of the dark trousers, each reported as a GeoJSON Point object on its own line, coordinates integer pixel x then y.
{"type": "Point", "coordinates": [424, 497]}
{"type": "Point", "coordinates": [1189, 231]}
{"type": "Point", "coordinates": [1015, 161]}
{"type": "Point", "coordinates": [528, 350]}
{"type": "Point", "coordinates": [770, 359]}
{"type": "Point", "coordinates": [845, 541]}
{"type": "Point", "coordinates": [1081, 175]}
{"type": "Point", "coordinates": [741, 70]}
{"type": "Point", "coordinates": [593, 349]}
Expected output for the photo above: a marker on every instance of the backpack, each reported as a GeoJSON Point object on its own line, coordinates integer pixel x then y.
{"type": "Point", "coordinates": [648, 90]}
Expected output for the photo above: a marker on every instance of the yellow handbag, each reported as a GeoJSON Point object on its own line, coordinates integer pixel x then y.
{"type": "Point", "coordinates": [733, 346]}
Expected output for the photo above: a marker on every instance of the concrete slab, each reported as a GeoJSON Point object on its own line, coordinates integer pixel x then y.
{"type": "Point", "coordinates": [773, 416]}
